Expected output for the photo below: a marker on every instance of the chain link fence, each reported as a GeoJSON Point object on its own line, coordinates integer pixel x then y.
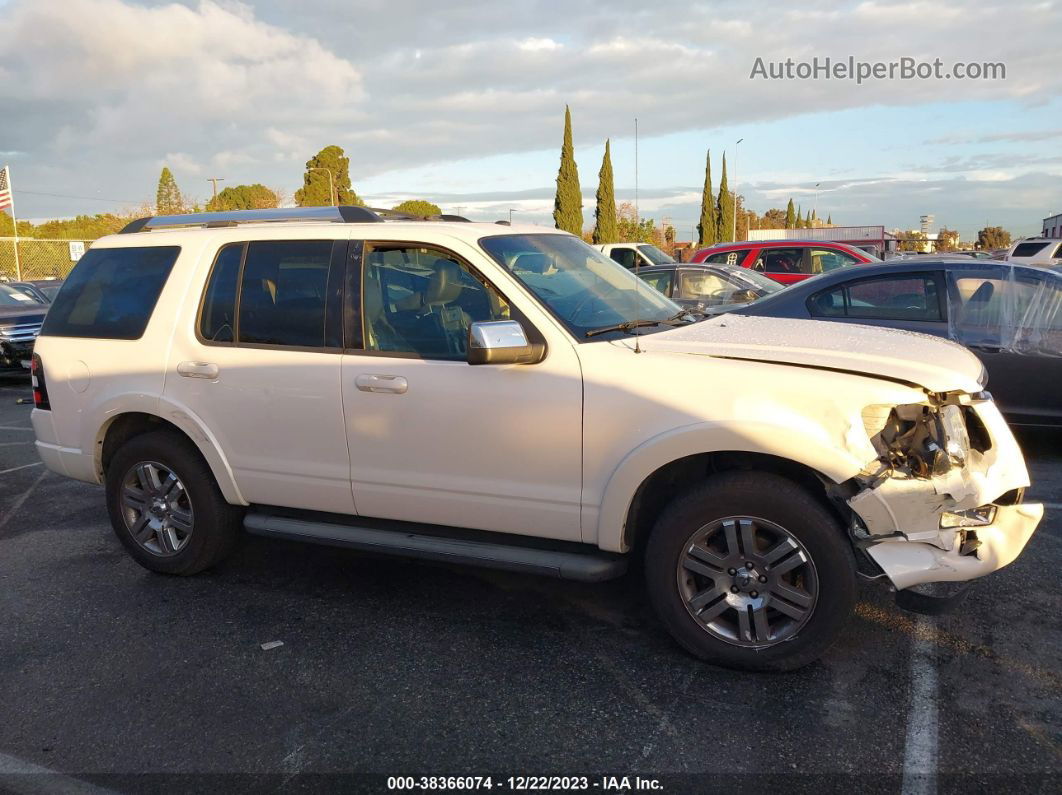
{"type": "Point", "coordinates": [39, 259]}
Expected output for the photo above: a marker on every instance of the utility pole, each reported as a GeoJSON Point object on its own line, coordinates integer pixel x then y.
{"type": "Point", "coordinates": [511, 211]}
{"type": "Point", "coordinates": [637, 213]}
{"type": "Point", "coordinates": [214, 181]}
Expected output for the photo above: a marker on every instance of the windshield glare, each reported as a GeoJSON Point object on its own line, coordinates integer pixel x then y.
{"type": "Point", "coordinates": [585, 289]}
{"type": "Point", "coordinates": [9, 296]}
{"type": "Point", "coordinates": [655, 255]}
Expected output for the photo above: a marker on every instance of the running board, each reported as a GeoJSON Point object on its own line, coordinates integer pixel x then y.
{"type": "Point", "coordinates": [594, 566]}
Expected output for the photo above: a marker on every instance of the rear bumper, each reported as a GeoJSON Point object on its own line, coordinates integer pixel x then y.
{"type": "Point", "coordinates": [910, 563]}
{"type": "Point", "coordinates": [68, 461]}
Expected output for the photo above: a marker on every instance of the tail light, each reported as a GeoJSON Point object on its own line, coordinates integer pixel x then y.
{"type": "Point", "coordinates": [40, 389]}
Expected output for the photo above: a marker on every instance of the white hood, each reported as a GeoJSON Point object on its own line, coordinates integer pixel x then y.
{"type": "Point", "coordinates": [938, 365]}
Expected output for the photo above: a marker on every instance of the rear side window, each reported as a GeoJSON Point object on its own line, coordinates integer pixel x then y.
{"type": "Point", "coordinates": [727, 257]}
{"type": "Point", "coordinates": [111, 293]}
{"type": "Point", "coordinates": [218, 320]}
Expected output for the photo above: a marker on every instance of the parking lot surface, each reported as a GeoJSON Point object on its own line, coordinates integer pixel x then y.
{"type": "Point", "coordinates": [121, 679]}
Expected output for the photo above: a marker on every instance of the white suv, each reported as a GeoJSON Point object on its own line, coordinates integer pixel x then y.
{"type": "Point", "coordinates": [1045, 252]}
{"type": "Point", "coordinates": [511, 397]}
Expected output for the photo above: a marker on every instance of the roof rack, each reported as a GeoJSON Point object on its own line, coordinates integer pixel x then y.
{"type": "Point", "coordinates": [340, 215]}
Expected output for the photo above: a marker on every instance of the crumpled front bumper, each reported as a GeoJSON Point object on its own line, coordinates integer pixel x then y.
{"type": "Point", "coordinates": [902, 515]}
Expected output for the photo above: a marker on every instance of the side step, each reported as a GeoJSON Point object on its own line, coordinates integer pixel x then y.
{"type": "Point", "coordinates": [593, 566]}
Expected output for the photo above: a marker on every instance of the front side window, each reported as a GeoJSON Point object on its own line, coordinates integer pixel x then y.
{"type": "Point", "coordinates": [727, 257]}
{"type": "Point", "coordinates": [780, 260]}
{"type": "Point", "coordinates": [719, 288]}
{"type": "Point", "coordinates": [584, 289]}
{"type": "Point", "coordinates": [824, 260]}
{"type": "Point", "coordinates": [111, 293]}
{"type": "Point", "coordinates": [422, 301]}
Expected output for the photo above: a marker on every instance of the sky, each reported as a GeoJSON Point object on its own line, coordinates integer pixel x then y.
{"type": "Point", "coordinates": [462, 103]}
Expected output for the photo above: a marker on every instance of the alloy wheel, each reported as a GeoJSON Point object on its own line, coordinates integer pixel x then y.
{"type": "Point", "coordinates": [156, 508]}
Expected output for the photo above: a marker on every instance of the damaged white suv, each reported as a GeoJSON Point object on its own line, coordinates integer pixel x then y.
{"type": "Point", "coordinates": [510, 397]}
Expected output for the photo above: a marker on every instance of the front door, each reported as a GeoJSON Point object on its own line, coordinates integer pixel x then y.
{"type": "Point", "coordinates": [435, 440]}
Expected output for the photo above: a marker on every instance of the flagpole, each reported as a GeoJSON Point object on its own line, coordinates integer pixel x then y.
{"type": "Point", "coordinates": [14, 224]}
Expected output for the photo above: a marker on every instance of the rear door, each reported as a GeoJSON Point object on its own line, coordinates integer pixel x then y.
{"type": "Point", "coordinates": [260, 365]}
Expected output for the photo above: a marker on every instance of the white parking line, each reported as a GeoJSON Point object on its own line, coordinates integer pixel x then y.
{"type": "Point", "coordinates": [18, 503]}
{"type": "Point", "coordinates": [20, 776]}
{"type": "Point", "coordinates": [24, 466]}
{"type": "Point", "coordinates": [14, 428]}
{"type": "Point", "coordinates": [920, 747]}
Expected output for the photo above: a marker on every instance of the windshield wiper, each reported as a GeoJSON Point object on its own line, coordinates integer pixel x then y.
{"type": "Point", "coordinates": [684, 312]}
{"type": "Point", "coordinates": [626, 326]}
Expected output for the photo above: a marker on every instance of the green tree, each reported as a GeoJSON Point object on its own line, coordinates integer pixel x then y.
{"type": "Point", "coordinates": [315, 184]}
{"type": "Point", "coordinates": [605, 213]}
{"type": "Point", "coordinates": [243, 197]}
{"type": "Point", "coordinates": [799, 218]}
{"type": "Point", "coordinates": [947, 240]}
{"type": "Point", "coordinates": [993, 237]}
{"type": "Point", "coordinates": [568, 204]}
{"type": "Point", "coordinates": [725, 211]}
{"type": "Point", "coordinates": [774, 219]}
{"type": "Point", "coordinates": [707, 229]}
{"type": "Point", "coordinates": [419, 207]}
{"type": "Point", "coordinates": [790, 216]}
{"type": "Point", "coordinates": [168, 199]}
{"type": "Point", "coordinates": [913, 240]}
{"type": "Point", "coordinates": [829, 220]}
{"type": "Point", "coordinates": [629, 229]}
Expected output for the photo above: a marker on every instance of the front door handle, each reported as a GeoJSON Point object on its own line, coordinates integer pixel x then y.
{"type": "Point", "coordinates": [197, 370]}
{"type": "Point", "coordinates": [390, 384]}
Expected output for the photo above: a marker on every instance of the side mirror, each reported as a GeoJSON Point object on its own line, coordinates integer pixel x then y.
{"type": "Point", "coordinates": [501, 342]}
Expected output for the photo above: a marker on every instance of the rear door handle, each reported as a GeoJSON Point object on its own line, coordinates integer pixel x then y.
{"type": "Point", "coordinates": [390, 384]}
{"type": "Point", "coordinates": [197, 370]}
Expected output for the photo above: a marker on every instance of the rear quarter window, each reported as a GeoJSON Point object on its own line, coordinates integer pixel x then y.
{"type": "Point", "coordinates": [1028, 249]}
{"type": "Point", "coordinates": [111, 293]}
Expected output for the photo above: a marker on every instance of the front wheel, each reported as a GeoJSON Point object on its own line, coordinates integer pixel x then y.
{"type": "Point", "coordinates": [748, 570]}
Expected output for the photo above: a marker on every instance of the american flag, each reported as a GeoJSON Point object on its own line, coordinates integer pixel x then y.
{"type": "Point", "coordinates": [5, 189]}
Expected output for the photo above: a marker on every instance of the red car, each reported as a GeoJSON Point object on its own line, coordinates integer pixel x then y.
{"type": "Point", "coordinates": [785, 261]}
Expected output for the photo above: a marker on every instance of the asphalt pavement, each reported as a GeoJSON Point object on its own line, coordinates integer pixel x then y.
{"type": "Point", "coordinates": [114, 678]}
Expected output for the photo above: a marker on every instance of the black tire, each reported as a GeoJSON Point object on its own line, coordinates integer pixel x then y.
{"type": "Point", "coordinates": [215, 525]}
{"type": "Point", "coordinates": [781, 504]}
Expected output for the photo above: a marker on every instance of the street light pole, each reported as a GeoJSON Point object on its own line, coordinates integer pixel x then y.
{"type": "Point", "coordinates": [331, 185]}
{"type": "Point", "coordinates": [734, 235]}
{"type": "Point", "coordinates": [511, 216]}
{"type": "Point", "coordinates": [815, 206]}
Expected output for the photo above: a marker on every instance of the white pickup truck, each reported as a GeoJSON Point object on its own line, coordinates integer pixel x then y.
{"type": "Point", "coordinates": [630, 254]}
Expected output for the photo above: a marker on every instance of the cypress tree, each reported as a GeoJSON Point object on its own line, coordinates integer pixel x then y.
{"type": "Point", "coordinates": [706, 229]}
{"type": "Point", "coordinates": [568, 204]}
{"type": "Point", "coordinates": [829, 220]}
{"type": "Point", "coordinates": [168, 196]}
{"type": "Point", "coordinates": [605, 214]}
{"type": "Point", "coordinates": [725, 216]}
{"type": "Point", "coordinates": [790, 216]}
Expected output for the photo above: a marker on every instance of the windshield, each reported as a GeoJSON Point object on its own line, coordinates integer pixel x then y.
{"type": "Point", "coordinates": [9, 296]}
{"type": "Point", "coordinates": [764, 285]}
{"type": "Point", "coordinates": [655, 255]}
{"type": "Point", "coordinates": [585, 289]}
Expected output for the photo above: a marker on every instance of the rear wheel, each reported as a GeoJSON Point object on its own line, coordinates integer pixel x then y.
{"type": "Point", "coordinates": [748, 570]}
{"type": "Point", "coordinates": [165, 506]}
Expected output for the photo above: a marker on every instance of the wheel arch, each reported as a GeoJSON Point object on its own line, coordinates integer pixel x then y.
{"type": "Point", "coordinates": [667, 465]}
{"type": "Point", "coordinates": [120, 428]}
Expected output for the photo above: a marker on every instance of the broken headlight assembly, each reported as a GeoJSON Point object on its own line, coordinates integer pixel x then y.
{"type": "Point", "coordinates": [975, 517]}
{"type": "Point", "coordinates": [919, 440]}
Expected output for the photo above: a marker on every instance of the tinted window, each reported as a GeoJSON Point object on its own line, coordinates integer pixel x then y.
{"type": "Point", "coordinates": [111, 293]}
{"type": "Point", "coordinates": [901, 297]}
{"type": "Point", "coordinates": [727, 257]}
{"type": "Point", "coordinates": [284, 293]}
{"type": "Point", "coordinates": [422, 301]}
{"type": "Point", "coordinates": [780, 260]}
{"type": "Point", "coordinates": [1028, 249]}
{"type": "Point", "coordinates": [660, 280]}
{"type": "Point", "coordinates": [624, 256]}
{"type": "Point", "coordinates": [218, 320]}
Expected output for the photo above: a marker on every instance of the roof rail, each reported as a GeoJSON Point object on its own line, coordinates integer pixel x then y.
{"type": "Point", "coordinates": [345, 214]}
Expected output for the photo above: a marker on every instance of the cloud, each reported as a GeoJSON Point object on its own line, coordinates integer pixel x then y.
{"type": "Point", "coordinates": [1022, 136]}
